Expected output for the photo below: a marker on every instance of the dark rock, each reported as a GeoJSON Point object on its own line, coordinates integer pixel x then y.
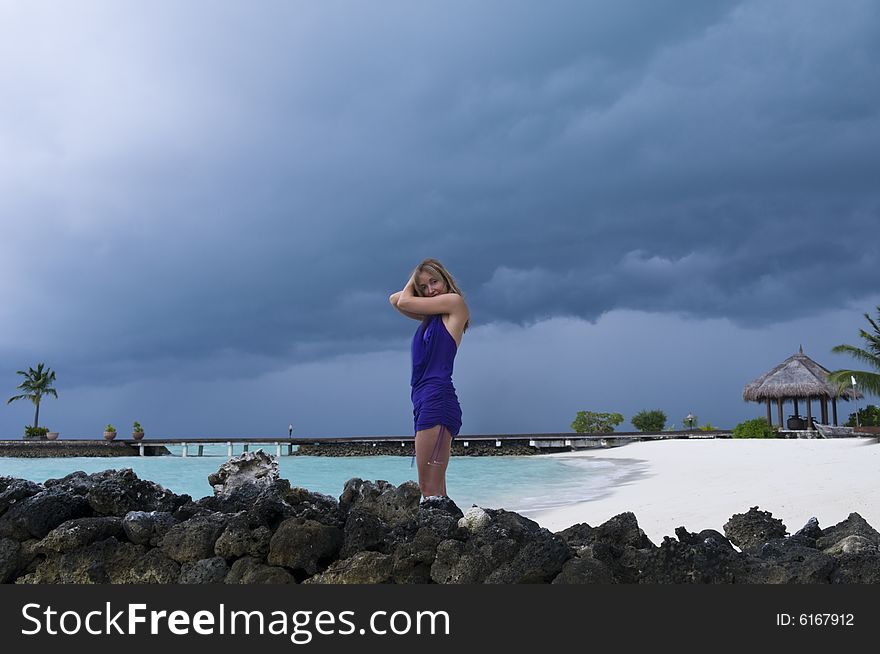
{"type": "Point", "coordinates": [14, 490]}
{"type": "Point", "coordinates": [507, 549]}
{"type": "Point", "coordinates": [858, 568]}
{"type": "Point", "coordinates": [80, 532]}
{"type": "Point", "coordinates": [249, 570]}
{"type": "Point", "coordinates": [147, 527]}
{"type": "Point", "coordinates": [717, 538]}
{"type": "Point", "coordinates": [194, 539]}
{"type": "Point", "coordinates": [29, 557]}
{"type": "Point", "coordinates": [578, 535]}
{"type": "Point", "coordinates": [790, 562]}
{"type": "Point", "coordinates": [362, 568]}
{"type": "Point", "coordinates": [206, 571]}
{"type": "Point", "coordinates": [107, 561]}
{"type": "Point", "coordinates": [152, 568]}
{"type": "Point", "coordinates": [393, 505]}
{"type": "Point", "coordinates": [854, 525]}
{"type": "Point", "coordinates": [749, 531]}
{"type": "Point", "coordinates": [441, 515]}
{"type": "Point", "coordinates": [239, 539]}
{"type": "Point", "coordinates": [458, 562]}
{"type": "Point", "coordinates": [79, 482]}
{"type": "Point", "coordinates": [37, 515]}
{"type": "Point", "coordinates": [364, 532]}
{"type": "Point", "coordinates": [809, 533]}
{"type": "Point", "coordinates": [190, 509]}
{"type": "Point", "coordinates": [117, 494]}
{"type": "Point", "coordinates": [584, 571]}
{"type": "Point", "coordinates": [314, 506]}
{"type": "Point", "coordinates": [265, 504]}
{"type": "Point", "coordinates": [9, 559]}
{"type": "Point", "coordinates": [412, 559]}
{"type": "Point", "coordinates": [692, 560]}
{"type": "Point", "coordinates": [622, 530]}
{"type": "Point", "coordinates": [304, 545]}
{"type": "Point", "coordinates": [537, 562]}
{"type": "Point", "coordinates": [619, 543]}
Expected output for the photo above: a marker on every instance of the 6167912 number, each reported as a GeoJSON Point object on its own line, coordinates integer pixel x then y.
{"type": "Point", "coordinates": [815, 620]}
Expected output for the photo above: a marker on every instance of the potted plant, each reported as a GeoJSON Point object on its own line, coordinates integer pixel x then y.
{"type": "Point", "coordinates": [35, 433]}
{"type": "Point", "coordinates": [109, 432]}
{"type": "Point", "coordinates": [137, 432]}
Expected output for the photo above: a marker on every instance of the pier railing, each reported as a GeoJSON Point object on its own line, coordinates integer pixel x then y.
{"type": "Point", "coordinates": [538, 441]}
{"type": "Point", "coordinates": [194, 445]}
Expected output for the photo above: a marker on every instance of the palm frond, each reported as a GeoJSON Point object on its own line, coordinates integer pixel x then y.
{"type": "Point", "coordinates": [866, 382]}
{"type": "Point", "coordinates": [858, 353]}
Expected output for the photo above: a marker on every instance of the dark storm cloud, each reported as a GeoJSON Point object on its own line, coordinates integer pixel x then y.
{"type": "Point", "coordinates": [218, 190]}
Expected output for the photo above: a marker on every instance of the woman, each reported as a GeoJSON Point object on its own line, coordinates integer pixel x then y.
{"type": "Point", "coordinates": [432, 297]}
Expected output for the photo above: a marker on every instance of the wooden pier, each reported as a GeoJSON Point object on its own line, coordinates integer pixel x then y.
{"type": "Point", "coordinates": [195, 446]}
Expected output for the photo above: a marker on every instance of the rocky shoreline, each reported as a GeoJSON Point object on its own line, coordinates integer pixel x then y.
{"type": "Point", "coordinates": [473, 448]}
{"type": "Point", "coordinates": [39, 449]}
{"type": "Point", "coordinates": [112, 527]}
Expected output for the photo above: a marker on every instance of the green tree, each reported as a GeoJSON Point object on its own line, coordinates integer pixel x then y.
{"type": "Point", "coordinates": [868, 382]}
{"type": "Point", "coordinates": [756, 428]}
{"type": "Point", "coordinates": [649, 421]}
{"type": "Point", "coordinates": [868, 417]}
{"type": "Point", "coordinates": [37, 383]}
{"type": "Point", "coordinates": [589, 422]}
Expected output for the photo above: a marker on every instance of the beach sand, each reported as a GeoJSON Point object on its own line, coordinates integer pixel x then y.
{"type": "Point", "coordinates": [701, 483]}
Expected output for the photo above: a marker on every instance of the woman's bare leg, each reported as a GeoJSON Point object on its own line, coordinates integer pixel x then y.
{"type": "Point", "coordinates": [432, 478]}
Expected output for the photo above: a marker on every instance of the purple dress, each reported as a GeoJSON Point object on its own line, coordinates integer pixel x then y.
{"type": "Point", "coordinates": [433, 395]}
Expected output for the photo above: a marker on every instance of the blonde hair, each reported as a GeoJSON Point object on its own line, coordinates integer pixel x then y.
{"type": "Point", "coordinates": [434, 267]}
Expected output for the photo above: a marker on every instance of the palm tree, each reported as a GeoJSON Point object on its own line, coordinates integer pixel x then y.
{"type": "Point", "coordinates": [870, 354]}
{"type": "Point", "coordinates": [36, 384]}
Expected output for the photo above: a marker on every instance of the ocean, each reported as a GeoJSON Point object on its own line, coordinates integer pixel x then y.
{"type": "Point", "coordinates": [524, 484]}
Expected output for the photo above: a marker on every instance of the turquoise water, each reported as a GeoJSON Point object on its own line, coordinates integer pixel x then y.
{"type": "Point", "coordinates": [517, 483]}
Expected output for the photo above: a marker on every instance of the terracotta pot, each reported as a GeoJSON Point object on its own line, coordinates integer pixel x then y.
{"type": "Point", "coordinates": [109, 435]}
{"type": "Point", "coordinates": [137, 435]}
{"type": "Point", "coordinates": [52, 435]}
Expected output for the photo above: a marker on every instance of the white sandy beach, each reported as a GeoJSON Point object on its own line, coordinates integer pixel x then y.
{"type": "Point", "coordinates": [700, 484]}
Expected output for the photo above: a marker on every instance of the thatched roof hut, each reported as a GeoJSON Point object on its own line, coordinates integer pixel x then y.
{"type": "Point", "coordinates": [798, 378]}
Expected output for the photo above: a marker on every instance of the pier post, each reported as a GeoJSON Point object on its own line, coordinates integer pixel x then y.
{"type": "Point", "coordinates": [185, 449]}
{"type": "Point", "coordinates": [201, 450]}
{"type": "Point", "coordinates": [289, 449]}
{"type": "Point", "coordinates": [245, 447]}
{"type": "Point", "coordinates": [278, 450]}
{"type": "Point", "coordinates": [141, 448]}
{"type": "Point", "coordinates": [229, 449]}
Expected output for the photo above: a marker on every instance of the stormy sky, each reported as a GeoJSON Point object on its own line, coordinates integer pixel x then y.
{"type": "Point", "coordinates": [205, 205]}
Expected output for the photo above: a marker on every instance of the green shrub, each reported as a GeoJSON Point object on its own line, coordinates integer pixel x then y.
{"type": "Point", "coordinates": [35, 433]}
{"type": "Point", "coordinates": [109, 428]}
{"type": "Point", "coordinates": [755, 428]}
{"type": "Point", "coordinates": [589, 422]}
{"type": "Point", "coordinates": [868, 417]}
{"type": "Point", "coordinates": [708, 427]}
{"type": "Point", "coordinates": [649, 421]}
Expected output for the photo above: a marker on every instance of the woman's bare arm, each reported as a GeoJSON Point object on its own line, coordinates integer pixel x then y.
{"type": "Point", "coordinates": [393, 300]}
{"type": "Point", "coordinates": [451, 303]}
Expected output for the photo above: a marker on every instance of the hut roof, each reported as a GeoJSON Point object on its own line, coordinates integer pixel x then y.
{"type": "Point", "coordinates": [796, 377]}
